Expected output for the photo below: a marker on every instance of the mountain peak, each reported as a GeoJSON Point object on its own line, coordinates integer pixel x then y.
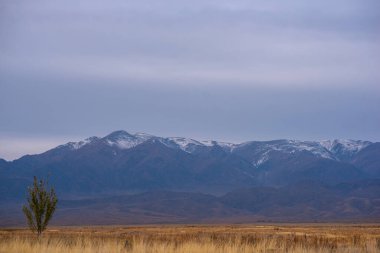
{"type": "Point", "coordinates": [118, 134]}
{"type": "Point", "coordinates": [125, 140]}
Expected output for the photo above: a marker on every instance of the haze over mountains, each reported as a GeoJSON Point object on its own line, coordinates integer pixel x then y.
{"type": "Point", "coordinates": [141, 178]}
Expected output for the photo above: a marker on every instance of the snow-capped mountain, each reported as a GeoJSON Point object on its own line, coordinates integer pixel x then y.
{"type": "Point", "coordinates": [329, 149]}
{"type": "Point", "coordinates": [344, 149]}
{"type": "Point", "coordinates": [123, 161]}
{"type": "Point", "coordinates": [79, 144]}
{"type": "Point", "coordinates": [124, 140]}
{"type": "Point", "coordinates": [126, 163]}
{"type": "Point", "coordinates": [118, 139]}
{"type": "Point", "coordinates": [338, 150]}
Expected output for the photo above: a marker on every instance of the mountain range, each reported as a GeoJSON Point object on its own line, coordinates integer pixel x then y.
{"type": "Point", "coordinates": [141, 178]}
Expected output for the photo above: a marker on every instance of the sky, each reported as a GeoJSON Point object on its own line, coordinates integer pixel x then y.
{"type": "Point", "coordinates": [205, 69]}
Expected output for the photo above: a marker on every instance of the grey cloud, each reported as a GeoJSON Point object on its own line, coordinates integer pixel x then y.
{"type": "Point", "coordinates": [293, 42]}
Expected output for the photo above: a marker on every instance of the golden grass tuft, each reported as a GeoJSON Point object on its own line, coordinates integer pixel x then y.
{"type": "Point", "coordinates": [194, 239]}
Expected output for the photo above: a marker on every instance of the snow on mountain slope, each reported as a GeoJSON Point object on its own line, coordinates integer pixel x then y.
{"type": "Point", "coordinates": [222, 144]}
{"type": "Point", "coordinates": [311, 146]}
{"type": "Point", "coordinates": [340, 150]}
{"type": "Point", "coordinates": [79, 144]}
{"type": "Point", "coordinates": [124, 140]}
{"type": "Point", "coordinates": [344, 149]}
{"type": "Point", "coordinates": [259, 152]}
{"type": "Point", "coordinates": [346, 145]}
{"type": "Point", "coordinates": [185, 144]}
{"type": "Point", "coordinates": [190, 145]}
{"type": "Point", "coordinates": [291, 146]}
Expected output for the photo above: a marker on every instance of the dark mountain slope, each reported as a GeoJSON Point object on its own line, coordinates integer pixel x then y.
{"type": "Point", "coordinates": [3, 163]}
{"type": "Point", "coordinates": [368, 159]}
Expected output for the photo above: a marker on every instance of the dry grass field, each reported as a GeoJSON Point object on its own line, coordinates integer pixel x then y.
{"type": "Point", "coordinates": [196, 238]}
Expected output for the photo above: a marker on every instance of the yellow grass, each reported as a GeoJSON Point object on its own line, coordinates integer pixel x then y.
{"type": "Point", "coordinates": [194, 239]}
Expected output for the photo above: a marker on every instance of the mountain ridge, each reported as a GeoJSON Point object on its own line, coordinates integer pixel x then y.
{"type": "Point", "coordinates": [325, 148]}
{"type": "Point", "coordinates": [139, 162]}
{"type": "Point", "coordinates": [124, 164]}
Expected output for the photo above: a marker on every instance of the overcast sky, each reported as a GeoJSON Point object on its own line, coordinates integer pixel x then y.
{"type": "Point", "coordinates": [226, 70]}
